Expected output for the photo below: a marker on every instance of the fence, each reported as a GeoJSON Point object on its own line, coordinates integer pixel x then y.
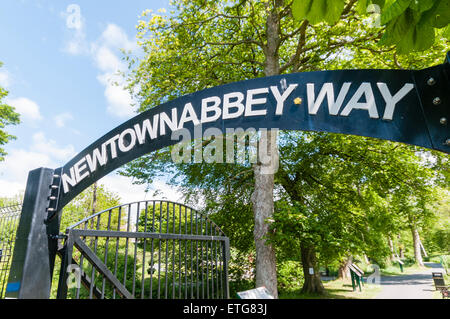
{"type": "Point", "coordinates": [147, 249]}
{"type": "Point", "coordinates": [9, 220]}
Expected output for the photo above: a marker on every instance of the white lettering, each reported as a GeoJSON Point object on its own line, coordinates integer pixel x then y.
{"type": "Point", "coordinates": [78, 168]}
{"type": "Point", "coordinates": [147, 126]}
{"type": "Point", "coordinates": [171, 123]}
{"type": "Point", "coordinates": [364, 89]}
{"type": "Point", "coordinates": [390, 100]}
{"type": "Point", "coordinates": [188, 115]}
{"type": "Point", "coordinates": [111, 141]}
{"type": "Point", "coordinates": [97, 158]}
{"type": "Point", "coordinates": [212, 108]}
{"type": "Point", "coordinates": [252, 101]}
{"type": "Point", "coordinates": [328, 90]}
{"type": "Point", "coordinates": [282, 97]}
{"type": "Point", "coordinates": [122, 146]}
{"type": "Point", "coordinates": [227, 105]}
{"type": "Point", "coordinates": [68, 180]}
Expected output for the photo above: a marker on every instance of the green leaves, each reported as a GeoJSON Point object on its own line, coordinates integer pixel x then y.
{"type": "Point", "coordinates": [393, 8]}
{"type": "Point", "coordinates": [409, 24]}
{"type": "Point", "coordinates": [8, 116]}
{"type": "Point", "coordinates": [316, 11]}
{"type": "Point", "coordinates": [439, 15]}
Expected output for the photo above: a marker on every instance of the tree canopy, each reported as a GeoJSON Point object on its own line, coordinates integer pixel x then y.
{"type": "Point", "coordinates": [8, 116]}
{"type": "Point", "coordinates": [410, 25]}
{"type": "Point", "coordinates": [334, 195]}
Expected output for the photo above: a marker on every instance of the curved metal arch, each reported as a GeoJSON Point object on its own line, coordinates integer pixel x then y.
{"type": "Point", "coordinates": [409, 106]}
{"type": "Point", "coordinates": [143, 206]}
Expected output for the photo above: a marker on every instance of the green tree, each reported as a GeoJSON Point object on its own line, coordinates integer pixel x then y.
{"type": "Point", "coordinates": [8, 116]}
{"type": "Point", "coordinates": [409, 25]}
{"type": "Point", "coordinates": [207, 43]}
{"type": "Point", "coordinates": [83, 206]}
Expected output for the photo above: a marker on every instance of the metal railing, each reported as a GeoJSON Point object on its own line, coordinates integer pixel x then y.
{"type": "Point", "coordinates": [9, 220]}
{"type": "Point", "coordinates": [147, 249]}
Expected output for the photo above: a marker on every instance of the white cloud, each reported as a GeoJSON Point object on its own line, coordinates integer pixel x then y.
{"type": "Point", "coordinates": [130, 192]}
{"type": "Point", "coordinates": [115, 37]}
{"type": "Point", "coordinates": [106, 60]}
{"type": "Point", "coordinates": [77, 43]}
{"type": "Point", "coordinates": [43, 152]}
{"type": "Point", "coordinates": [105, 54]}
{"type": "Point", "coordinates": [61, 119]}
{"type": "Point", "coordinates": [46, 146]}
{"type": "Point", "coordinates": [119, 101]}
{"type": "Point", "coordinates": [27, 108]}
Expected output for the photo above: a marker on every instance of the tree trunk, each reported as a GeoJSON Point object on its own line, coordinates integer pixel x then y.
{"type": "Point", "coordinates": [416, 241]}
{"type": "Point", "coordinates": [313, 284]}
{"type": "Point", "coordinates": [401, 252]}
{"type": "Point", "coordinates": [94, 199]}
{"type": "Point", "coordinates": [262, 197]}
{"type": "Point", "coordinates": [391, 248]}
{"type": "Point", "coordinates": [344, 270]}
{"type": "Point", "coordinates": [93, 210]}
{"type": "Point", "coordinates": [423, 249]}
{"type": "Point", "coordinates": [366, 259]}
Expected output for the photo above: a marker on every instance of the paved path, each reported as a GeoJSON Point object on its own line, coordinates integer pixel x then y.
{"type": "Point", "coordinates": [415, 286]}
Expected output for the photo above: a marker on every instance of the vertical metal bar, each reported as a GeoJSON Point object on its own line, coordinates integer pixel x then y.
{"type": "Point", "coordinates": [135, 249]}
{"type": "Point", "coordinates": [207, 259]}
{"type": "Point", "coordinates": [66, 260]}
{"type": "Point", "coordinates": [201, 256]}
{"type": "Point", "coordinates": [185, 255]}
{"type": "Point", "coordinates": [173, 251]}
{"type": "Point", "coordinates": [213, 263]}
{"type": "Point", "coordinates": [196, 256]}
{"type": "Point", "coordinates": [166, 268]}
{"type": "Point", "coordinates": [192, 259]}
{"type": "Point", "coordinates": [108, 227]}
{"type": "Point", "coordinates": [126, 247]}
{"type": "Point", "coordinates": [226, 254]}
{"type": "Point", "coordinates": [159, 251]}
{"type": "Point", "coordinates": [179, 252]}
{"type": "Point", "coordinates": [144, 253]}
{"type": "Point", "coordinates": [217, 266]}
{"type": "Point", "coordinates": [91, 288]}
{"type": "Point", "coordinates": [151, 256]}
{"type": "Point", "coordinates": [81, 262]}
{"type": "Point", "coordinates": [117, 247]}
{"type": "Point", "coordinates": [219, 247]}
{"type": "Point", "coordinates": [213, 269]}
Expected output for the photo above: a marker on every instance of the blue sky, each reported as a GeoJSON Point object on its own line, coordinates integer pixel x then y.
{"type": "Point", "coordinates": [58, 66]}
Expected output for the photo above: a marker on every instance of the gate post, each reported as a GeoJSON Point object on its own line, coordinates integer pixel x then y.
{"type": "Point", "coordinates": [31, 270]}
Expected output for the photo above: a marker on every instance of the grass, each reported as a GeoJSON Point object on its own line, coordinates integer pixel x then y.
{"type": "Point", "coordinates": [336, 289]}
{"type": "Point", "coordinates": [395, 270]}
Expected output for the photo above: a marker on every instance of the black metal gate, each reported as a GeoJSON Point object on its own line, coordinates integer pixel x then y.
{"type": "Point", "coordinates": [9, 219]}
{"type": "Point", "coordinates": [147, 249]}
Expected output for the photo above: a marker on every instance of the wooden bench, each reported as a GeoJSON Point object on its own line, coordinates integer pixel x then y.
{"type": "Point", "coordinates": [439, 284]}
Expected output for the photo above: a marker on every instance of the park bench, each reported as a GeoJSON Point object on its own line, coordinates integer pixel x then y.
{"type": "Point", "coordinates": [439, 284]}
{"type": "Point", "coordinates": [356, 275]}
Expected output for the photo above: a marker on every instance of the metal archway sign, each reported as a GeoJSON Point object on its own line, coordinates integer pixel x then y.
{"type": "Point", "coordinates": [409, 106]}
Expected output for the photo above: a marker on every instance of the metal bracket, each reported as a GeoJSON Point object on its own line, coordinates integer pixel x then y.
{"type": "Point", "coordinates": [55, 188]}
{"type": "Point", "coordinates": [56, 237]}
{"type": "Point", "coordinates": [433, 87]}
